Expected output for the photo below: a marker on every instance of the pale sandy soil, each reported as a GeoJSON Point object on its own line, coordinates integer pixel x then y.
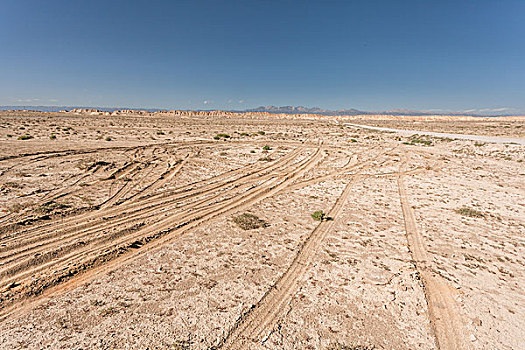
{"type": "Point", "coordinates": [483, 127]}
{"type": "Point", "coordinates": [131, 243]}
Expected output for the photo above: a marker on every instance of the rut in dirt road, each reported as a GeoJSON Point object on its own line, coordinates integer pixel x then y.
{"type": "Point", "coordinates": [101, 221]}
{"type": "Point", "coordinates": [446, 321]}
{"type": "Point", "coordinates": [130, 176]}
{"type": "Point", "coordinates": [86, 258]}
{"type": "Point", "coordinates": [87, 225]}
{"type": "Point", "coordinates": [260, 320]}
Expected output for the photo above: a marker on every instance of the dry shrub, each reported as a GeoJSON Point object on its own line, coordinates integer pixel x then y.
{"type": "Point", "coordinates": [473, 213]}
{"type": "Point", "coordinates": [248, 221]}
{"type": "Point", "coordinates": [339, 346]}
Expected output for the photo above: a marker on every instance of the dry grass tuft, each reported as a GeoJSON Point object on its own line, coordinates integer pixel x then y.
{"type": "Point", "coordinates": [473, 213]}
{"type": "Point", "coordinates": [339, 346]}
{"type": "Point", "coordinates": [249, 221]}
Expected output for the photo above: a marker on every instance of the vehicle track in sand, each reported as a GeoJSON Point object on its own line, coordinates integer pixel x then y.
{"type": "Point", "coordinates": [146, 207]}
{"type": "Point", "coordinates": [142, 205]}
{"type": "Point", "coordinates": [127, 174]}
{"type": "Point", "coordinates": [43, 155]}
{"type": "Point", "coordinates": [83, 259]}
{"type": "Point", "coordinates": [174, 168]}
{"type": "Point", "coordinates": [53, 154]}
{"type": "Point", "coordinates": [446, 321]}
{"type": "Point", "coordinates": [197, 204]}
{"type": "Point", "coordinates": [256, 325]}
{"type": "Point", "coordinates": [80, 259]}
{"type": "Point", "coordinates": [136, 172]}
{"type": "Point", "coordinates": [37, 242]}
{"type": "Point", "coordinates": [130, 179]}
{"type": "Point", "coordinates": [76, 186]}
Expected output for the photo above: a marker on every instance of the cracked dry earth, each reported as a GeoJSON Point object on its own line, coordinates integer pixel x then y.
{"type": "Point", "coordinates": [131, 243]}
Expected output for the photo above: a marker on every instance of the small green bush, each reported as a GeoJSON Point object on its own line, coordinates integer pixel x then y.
{"type": "Point", "coordinates": [108, 138]}
{"type": "Point", "coordinates": [226, 136]}
{"type": "Point", "coordinates": [25, 137]}
{"type": "Point", "coordinates": [261, 132]}
{"type": "Point", "coordinates": [318, 215]}
{"type": "Point", "coordinates": [416, 139]}
{"type": "Point", "coordinates": [267, 148]}
{"type": "Point", "coordinates": [52, 137]}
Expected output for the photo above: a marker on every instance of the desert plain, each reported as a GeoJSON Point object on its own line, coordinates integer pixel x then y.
{"type": "Point", "coordinates": [195, 231]}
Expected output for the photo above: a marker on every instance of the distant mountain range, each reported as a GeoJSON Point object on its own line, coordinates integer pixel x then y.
{"type": "Point", "coordinates": [68, 108]}
{"type": "Point", "coordinates": [353, 111]}
{"type": "Point", "coordinates": [269, 109]}
{"type": "Point", "coordinates": [305, 110]}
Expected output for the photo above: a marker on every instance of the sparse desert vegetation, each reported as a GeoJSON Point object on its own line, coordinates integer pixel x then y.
{"type": "Point", "coordinates": [221, 136]}
{"type": "Point", "coordinates": [25, 137]}
{"type": "Point", "coordinates": [318, 215]}
{"type": "Point", "coordinates": [473, 213]}
{"type": "Point", "coordinates": [339, 346]}
{"type": "Point", "coordinates": [418, 140]}
{"type": "Point", "coordinates": [249, 221]}
{"type": "Point", "coordinates": [182, 233]}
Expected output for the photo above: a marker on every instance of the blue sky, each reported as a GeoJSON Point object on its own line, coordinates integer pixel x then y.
{"type": "Point", "coordinates": [371, 55]}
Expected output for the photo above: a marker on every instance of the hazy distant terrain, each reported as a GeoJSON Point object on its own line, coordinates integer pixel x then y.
{"type": "Point", "coordinates": [268, 109]}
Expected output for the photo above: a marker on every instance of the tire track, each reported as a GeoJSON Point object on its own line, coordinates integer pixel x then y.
{"type": "Point", "coordinates": [446, 321]}
{"type": "Point", "coordinates": [130, 179]}
{"type": "Point", "coordinates": [259, 321]}
{"type": "Point", "coordinates": [147, 207]}
{"type": "Point", "coordinates": [168, 228]}
{"type": "Point", "coordinates": [94, 235]}
{"type": "Point", "coordinates": [79, 181]}
{"type": "Point", "coordinates": [94, 231]}
{"type": "Point", "coordinates": [342, 172]}
{"type": "Point", "coordinates": [190, 189]}
{"type": "Point", "coordinates": [105, 223]}
{"type": "Point", "coordinates": [53, 154]}
{"type": "Point", "coordinates": [168, 175]}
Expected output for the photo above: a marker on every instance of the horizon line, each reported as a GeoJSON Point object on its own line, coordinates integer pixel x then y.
{"type": "Point", "coordinates": [398, 111]}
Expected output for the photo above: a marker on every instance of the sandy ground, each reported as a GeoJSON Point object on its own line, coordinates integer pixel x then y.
{"type": "Point", "coordinates": [120, 233]}
{"type": "Point", "coordinates": [508, 128]}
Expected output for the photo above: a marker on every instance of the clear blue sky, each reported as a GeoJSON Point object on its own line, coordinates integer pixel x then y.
{"type": "Point", "coordinates": [372, 55]}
